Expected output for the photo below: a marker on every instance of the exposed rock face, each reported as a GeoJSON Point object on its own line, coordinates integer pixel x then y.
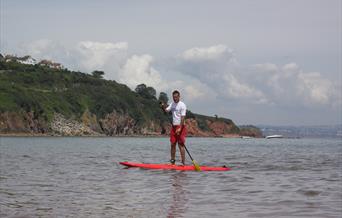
{"type": "Point", "coordinates": [90, 120]}
{"type": "Point", "coordinates": [220, 128]}
{"type": "Point", "coordinates": [117, 124]}
{"type": "Point", "coordinates": [113, 124]}
{"type": "Point", "coordinates": [25, 122]}
{"type": "Point", "coordinates": [194, 130]}
{"type": "Point", "coordinates": [69, 127]}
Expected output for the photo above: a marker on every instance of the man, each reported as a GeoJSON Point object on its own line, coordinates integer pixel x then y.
{"type": "Point", "coordinates": [178, 129]}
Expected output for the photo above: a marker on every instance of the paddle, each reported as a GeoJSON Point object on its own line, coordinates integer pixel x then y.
{"type": "Point", "coordinates": [197, 167]}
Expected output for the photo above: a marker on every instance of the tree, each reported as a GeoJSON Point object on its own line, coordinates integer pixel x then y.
{"type": "Point", "coordinates": [140, 88]}
{"type": "Point", "coordinates": [146, 92]}
{"type": "Point", "coordinates": [163, 97]}
{"type": "Point", "coordinates": [151, 91]}
{"type": "Point", "coordinates": [98, 74]}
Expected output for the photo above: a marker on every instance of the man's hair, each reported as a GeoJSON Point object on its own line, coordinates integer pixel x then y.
{"type": "Point", "coordinates": [175, 92]}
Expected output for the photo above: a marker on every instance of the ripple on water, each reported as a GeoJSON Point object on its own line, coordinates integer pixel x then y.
{"type": "Point", "coordinates": [309, 193]}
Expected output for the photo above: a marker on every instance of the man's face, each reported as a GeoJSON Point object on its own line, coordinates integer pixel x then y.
{"type": "Point", "coordinates": [175, 98]}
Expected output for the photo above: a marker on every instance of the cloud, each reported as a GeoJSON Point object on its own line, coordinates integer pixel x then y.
{"type": "Point", "coordinates": [88, 56]}
{"type": "Point", "coordinates": [287, 85]}
{"type": "Point", "coordinates": [201, 73]}
{"type": "Point", "coordinates": [314, 88]}
{"type": "Point", "coordinates": [101, 56]}
{"type": "Point", "coordinates": [45, 49]}
{"type": "Point", "coordinates": [194, 90]}
{"type": "Point", "coordinates": [137, 70]}
{"type": "Point", "coordinates": [216, 67]}
{"type": "Point", "coordinates": [216, 52]}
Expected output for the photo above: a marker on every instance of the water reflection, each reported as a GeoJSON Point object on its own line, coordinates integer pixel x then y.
{"type": "Point", "coordinates": [179, 195]}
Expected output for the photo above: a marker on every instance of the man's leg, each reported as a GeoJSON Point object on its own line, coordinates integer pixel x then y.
{"type": "Point", "coordinates": [181, 144]}
{"type": "Point", "coordinates": [173, 140]}
{"type": "Point", "coordinates": [173, 152]}
{"type": "Point", "coordinates": [182, 152]}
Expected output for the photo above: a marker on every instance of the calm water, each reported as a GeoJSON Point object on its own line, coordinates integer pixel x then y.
{"type": "Point", "coordinates": [81, 177]}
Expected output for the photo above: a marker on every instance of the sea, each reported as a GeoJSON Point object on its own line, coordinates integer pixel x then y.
{"type": "Point", "coordinates": [82, 177]}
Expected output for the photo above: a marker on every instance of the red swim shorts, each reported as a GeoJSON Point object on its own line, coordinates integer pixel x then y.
{"type": "Point", "coordinates": [174, 138]}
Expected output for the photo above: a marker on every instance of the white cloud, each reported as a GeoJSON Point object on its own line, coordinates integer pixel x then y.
{"type": "Point", "coordinates": [314, 88]}
{"type": "Point", "coordinates": [101, 56]}
{"type": "Point", "coordinates": [215, 52]}
{"type": "Point", "coordinates": [217, 68]}
{"type": "Point", "coordinates": [290, 85]}
{"type": "Point", "coordinates": [112, 58]}
{"type": "Point", "coordinates": [268, 83]}
{"type": "Point", "coordinates": [85, 55]}
{"type": "Point", "coordinates": [238, 90]}
{"type": "Point", "coordinates": [202, 73]}
{"type": "Point", "coordinates": [195, 91]}
{"type": "Point", "coordinates": [45, 49]}
{"type": "Point", "coordinates": [137, 70]}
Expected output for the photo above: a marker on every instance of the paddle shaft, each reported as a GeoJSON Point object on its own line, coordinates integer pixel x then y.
{"type": "Point", "coordinates": [197, 167]}
{"type": "Point", "coordinates": [187, 151]}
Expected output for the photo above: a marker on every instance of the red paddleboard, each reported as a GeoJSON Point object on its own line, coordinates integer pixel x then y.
{"type": "Point", "coordinates": [173, 167]}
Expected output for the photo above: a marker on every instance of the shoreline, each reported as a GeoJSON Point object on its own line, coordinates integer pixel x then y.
{"type": "Point", "coordinates": [105, 136]}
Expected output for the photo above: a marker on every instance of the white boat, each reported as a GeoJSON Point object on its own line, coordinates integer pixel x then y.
{"type": "Point", "coordinates": [246, 137]}
{"type": "Point", "coordinates": [274, 137]}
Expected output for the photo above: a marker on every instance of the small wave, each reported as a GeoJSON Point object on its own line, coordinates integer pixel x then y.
{"type": "Point", "coordinates": [309, 193]}
{"type": "Point", "coordinates": [254, 191]}
{"type": "Point", "coordinates": [3, 177]}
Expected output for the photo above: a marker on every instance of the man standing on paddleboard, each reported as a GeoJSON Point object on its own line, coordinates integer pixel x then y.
{"type": "Point", "coordinates": [178, 129]}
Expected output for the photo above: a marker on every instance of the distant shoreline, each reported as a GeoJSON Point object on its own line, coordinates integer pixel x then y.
{"type": "Point", "coordinates": [106, 136]}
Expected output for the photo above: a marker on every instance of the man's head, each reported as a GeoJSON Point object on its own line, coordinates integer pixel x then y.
{"type": "Point", "coordinates": [175, 96]}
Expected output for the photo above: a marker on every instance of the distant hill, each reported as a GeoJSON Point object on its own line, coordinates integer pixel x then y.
{"type": "Point", "coordinates": [330, 131]}
{"type": "Point", "coordinates": [45, 99]}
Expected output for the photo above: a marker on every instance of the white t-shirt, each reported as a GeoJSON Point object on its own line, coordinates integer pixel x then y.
{"type": "Point", "coordinates": [178, 110]}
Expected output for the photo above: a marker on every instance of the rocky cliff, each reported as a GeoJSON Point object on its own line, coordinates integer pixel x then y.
{"type": "Point", "coordinates": [113, 124]}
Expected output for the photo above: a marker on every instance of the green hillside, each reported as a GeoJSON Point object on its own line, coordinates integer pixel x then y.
{"type": "Point", "coordinates": [44, 91]}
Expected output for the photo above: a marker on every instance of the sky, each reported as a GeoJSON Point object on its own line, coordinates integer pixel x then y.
{"type": "Point", "coordinates": [270, 62]}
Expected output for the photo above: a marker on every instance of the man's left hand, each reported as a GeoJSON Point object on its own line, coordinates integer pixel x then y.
{"type": "Point", "coordinates": [178, 131]}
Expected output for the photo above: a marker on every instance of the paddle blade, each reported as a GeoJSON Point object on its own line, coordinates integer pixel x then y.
{"type": "Point", "coordinates": [197, 167]}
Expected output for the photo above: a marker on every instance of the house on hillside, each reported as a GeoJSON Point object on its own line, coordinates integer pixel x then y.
{"type": "Point", "coordinates": [29, 60]}
{"type": "Point", "coordinates": [51, 64]}
{"type": "Point", "coordinates": [24, 60]}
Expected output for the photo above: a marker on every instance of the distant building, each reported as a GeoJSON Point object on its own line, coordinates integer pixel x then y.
{"type": "Point", "coordinates": [29, 60]}
{"type": "Point", "coordinates": [51, 64]}
{"type": "Point", "coordinates": [24, 60]}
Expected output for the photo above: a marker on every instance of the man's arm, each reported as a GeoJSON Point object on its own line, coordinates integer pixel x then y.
{"type": "Point", "coordinates": [164, 107]}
